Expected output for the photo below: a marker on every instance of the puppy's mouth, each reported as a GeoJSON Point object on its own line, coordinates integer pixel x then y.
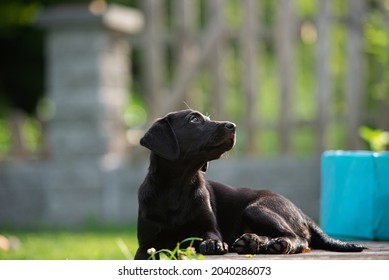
{"type": "Point", "coordinates": [224, 144]}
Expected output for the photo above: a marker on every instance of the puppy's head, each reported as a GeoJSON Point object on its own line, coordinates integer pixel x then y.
{"type": "Point", "coordinates": [188, 134]}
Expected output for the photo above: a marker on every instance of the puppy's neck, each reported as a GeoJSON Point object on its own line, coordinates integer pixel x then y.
{"type": "Point", "coordinates": [181, 171]}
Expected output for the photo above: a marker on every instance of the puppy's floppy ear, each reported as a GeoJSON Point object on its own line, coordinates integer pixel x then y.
{"type": "Point", "coordinates": [162, 140]}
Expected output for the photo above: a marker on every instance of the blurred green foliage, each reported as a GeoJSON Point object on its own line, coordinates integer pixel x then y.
{"type": "Point", "coordinates": [377, 139]}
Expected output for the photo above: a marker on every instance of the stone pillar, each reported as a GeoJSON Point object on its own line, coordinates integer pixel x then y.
{"type": "Point", "coordinates": [87, 76]}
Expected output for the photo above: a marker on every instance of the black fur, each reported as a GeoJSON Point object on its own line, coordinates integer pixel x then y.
{"type": "Point", "coordinates": [176, 202]}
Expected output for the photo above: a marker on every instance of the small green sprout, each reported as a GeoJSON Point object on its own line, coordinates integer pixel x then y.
{"type": "Point", "coordinates": [178, 253]}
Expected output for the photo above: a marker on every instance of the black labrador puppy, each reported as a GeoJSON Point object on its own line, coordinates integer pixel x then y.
{"type": "Point", "coordinates": [176, 202]}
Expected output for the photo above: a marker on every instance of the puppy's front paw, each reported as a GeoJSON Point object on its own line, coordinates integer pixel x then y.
{"type": "Point", "coordinates": [250, 243]}
{"type": "Point", "coordinates": [213, 247]}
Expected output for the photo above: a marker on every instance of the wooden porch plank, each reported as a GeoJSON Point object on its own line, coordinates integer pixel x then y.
{"type": "Point", "coordinates": [377, 250]}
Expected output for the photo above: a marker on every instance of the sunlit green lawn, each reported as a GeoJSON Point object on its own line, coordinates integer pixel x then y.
{"type": "Point", "coordinates": [89, 244]}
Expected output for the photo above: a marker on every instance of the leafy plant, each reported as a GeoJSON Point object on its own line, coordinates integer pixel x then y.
{"type": "Point", "coordinates": [178, 253]}
{"type": "Point", "coordinates": [377, 139]}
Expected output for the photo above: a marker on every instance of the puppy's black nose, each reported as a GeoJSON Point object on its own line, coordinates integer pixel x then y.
{"type": "Point", "coordinates": [230, 125]}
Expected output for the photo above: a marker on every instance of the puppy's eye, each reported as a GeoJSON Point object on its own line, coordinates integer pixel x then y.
{"type": "Point", "coordinates": [195, 119]}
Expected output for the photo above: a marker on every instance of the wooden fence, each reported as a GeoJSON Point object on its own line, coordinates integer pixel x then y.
{"type": "Point", "coordinates": [250, 67]}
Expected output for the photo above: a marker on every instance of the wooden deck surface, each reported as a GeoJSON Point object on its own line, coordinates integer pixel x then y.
{"type": "Point", "coordinates": [377, 250]}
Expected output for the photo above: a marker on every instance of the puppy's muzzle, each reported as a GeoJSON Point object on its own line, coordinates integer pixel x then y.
{"type": "Point", "coordinates": [225, 136]}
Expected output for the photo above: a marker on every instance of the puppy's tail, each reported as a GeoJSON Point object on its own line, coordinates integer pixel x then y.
{"type": "Point", "coordinates": [320, 240]}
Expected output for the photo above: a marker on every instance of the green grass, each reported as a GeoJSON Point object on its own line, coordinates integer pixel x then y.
{"type": "Point", "coordinates": [90, 244]}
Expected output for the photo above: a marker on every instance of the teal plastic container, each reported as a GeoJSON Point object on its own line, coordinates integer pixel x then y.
{"type": "Point", "coordinates": [355, 195]}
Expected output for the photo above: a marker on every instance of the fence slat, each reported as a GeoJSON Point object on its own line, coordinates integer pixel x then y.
{"type": "Point", "coordinates": [153, 65]}
{"type": "Point", "coordinates": [354, 86]}
{"type": "Point", "coordinates": [323, 78]}
{"type": "Point", "coordinates": [185, 43]}
{"type": "Point", "coordinates": [215, 8]}
{"type": "Point", "coordinates": [284, 46]}
{"type": "Point", "coordinates": [248, 42]}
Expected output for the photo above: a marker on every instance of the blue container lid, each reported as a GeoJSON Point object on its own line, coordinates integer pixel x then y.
{"type": "Point", "coordinates": [355, 153]}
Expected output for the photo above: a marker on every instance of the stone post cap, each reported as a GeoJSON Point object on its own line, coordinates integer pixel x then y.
{"type": "Point", "coordinates": [112, 16]}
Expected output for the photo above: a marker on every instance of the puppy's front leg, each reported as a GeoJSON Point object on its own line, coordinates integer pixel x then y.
{"type": "Point", "coordinates": [213, 245]}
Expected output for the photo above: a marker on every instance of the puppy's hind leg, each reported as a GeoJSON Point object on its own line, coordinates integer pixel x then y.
{"type": "Point", "coordinates": [272, 234]}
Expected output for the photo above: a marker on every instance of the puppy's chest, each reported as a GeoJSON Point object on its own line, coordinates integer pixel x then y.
{"type": "Point", "coordinates": [176, 211]}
